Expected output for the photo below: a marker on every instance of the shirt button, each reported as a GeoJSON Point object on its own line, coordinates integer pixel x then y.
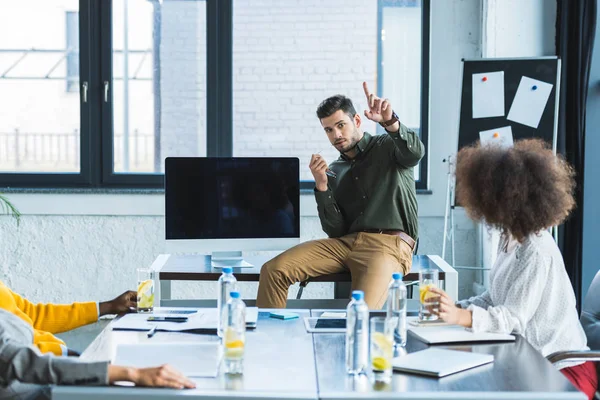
{"type": "Point", "coordinates": [356, 178]}
{"type": "Point", "coordinates": [361, 213]}
{"type": "Point", "coordinates": [364, 197]}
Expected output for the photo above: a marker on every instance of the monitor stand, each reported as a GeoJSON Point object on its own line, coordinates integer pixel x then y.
{"type": "Point", "coordinates": [234, 259]}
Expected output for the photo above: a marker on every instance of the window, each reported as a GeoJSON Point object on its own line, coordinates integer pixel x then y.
{"type": "Point", "coordinates": [180, 78]}
{"type": "Point", "coordinates": [39, 125]}
{"type": "Point", "coordinates": [400, 61]}
{"type": "Point", "coordinates": [152, 121]}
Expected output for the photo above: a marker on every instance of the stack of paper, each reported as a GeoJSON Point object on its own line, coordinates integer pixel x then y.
{"type": "Point", "coordinates": [192, 359]}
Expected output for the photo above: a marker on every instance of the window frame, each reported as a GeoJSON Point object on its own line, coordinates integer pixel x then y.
{"type": "Point", "coordinates": [96, 133]}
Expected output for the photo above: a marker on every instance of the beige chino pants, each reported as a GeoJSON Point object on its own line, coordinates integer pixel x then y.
{"type": "Point", "coordinates": [371, 258]}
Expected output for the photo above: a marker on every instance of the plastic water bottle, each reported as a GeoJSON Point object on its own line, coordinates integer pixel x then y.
{"type": "Point", "coordinates": [396, 307]}
{"type": "Point", "coordinates": [226, 285]}
{"type": "Point", "coordinates": [357, 334]}
{"type": "Point", "coordinates": [234, 334]}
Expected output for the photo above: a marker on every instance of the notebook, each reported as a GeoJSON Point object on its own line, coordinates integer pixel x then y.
{"type": "Point", "coordinates": [440, 362]}
{"type": "Point", "coordinates": [456, 334]}
{"type": "Point", "coordinates": [192, 359]}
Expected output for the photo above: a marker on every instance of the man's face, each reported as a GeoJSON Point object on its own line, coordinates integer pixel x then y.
{"type": "Point", "coordinates": [342, 131]}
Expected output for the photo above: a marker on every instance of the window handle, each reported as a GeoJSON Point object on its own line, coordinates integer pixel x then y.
{"type": "Point", "coordinates": [85, 90]}
{"type": "Point", "coordinates": [106, 91]}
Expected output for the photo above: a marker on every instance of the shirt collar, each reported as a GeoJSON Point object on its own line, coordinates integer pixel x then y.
{"type": "Point", "coordinates": [360, 146]}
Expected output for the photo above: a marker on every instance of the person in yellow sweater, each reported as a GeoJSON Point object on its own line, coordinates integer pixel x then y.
{"type": "Point", "coordinates": [48, 319]}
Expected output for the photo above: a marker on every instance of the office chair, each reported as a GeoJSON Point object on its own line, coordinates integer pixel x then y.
{"type": "Point", "coordinates": [590, 320]}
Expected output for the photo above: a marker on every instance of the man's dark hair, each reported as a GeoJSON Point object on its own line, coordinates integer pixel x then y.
{"type": "Point", "coordinates": [520, 190]}
{"type": "Point", "coordinates": [334, 103]}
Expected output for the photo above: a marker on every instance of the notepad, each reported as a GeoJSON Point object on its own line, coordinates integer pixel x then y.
{"type": "Point", "coordinates": [283, 315]}
{"type": "Point", "coordinates": [440, 362]}
{"type": "Point", "coordinates": [192, 359]}
{"type": "Point", "coordinates": [456, 334]}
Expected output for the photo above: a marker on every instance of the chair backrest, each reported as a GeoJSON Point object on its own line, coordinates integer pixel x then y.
{"type": "Point", "coordinates": [590, 314]}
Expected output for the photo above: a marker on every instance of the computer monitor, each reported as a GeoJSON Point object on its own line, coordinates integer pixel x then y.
{"type": "Point", "coordinates": [223, 206]}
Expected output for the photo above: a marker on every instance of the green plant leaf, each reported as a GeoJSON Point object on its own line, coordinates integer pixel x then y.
{"type": "Point", "coordinates": [8, 208]}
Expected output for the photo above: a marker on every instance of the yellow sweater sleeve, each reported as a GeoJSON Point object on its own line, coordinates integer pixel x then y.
{"type": "Point", "coordinates": [57, 318]}
{"type": "Point", "coordinates": [50, 347]}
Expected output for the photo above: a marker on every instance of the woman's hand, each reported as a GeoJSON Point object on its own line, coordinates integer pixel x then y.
{"type": "Point", "coordinates": [449, 312]}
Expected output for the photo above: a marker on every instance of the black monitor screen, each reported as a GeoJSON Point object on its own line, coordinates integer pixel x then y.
{"type": "Point", "coordinates": [232, 198]}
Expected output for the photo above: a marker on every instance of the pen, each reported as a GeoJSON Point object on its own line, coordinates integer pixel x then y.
{"type": "Point", "coordinates": [329, 172]}
{"type": "Point", "coordinates": [152, 331]}
{"type": "Point", "coordinates": [167, 319]}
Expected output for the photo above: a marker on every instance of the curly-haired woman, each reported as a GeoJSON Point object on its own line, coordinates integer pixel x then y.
{"type": "Point", "coordinates": [522, 191]}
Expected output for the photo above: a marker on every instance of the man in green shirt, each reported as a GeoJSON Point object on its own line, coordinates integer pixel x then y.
{"type": "Point", "coordinates": [366, 201]}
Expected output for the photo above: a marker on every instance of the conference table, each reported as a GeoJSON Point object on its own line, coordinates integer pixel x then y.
{"type": "Point", "coordinates": [283, 361]}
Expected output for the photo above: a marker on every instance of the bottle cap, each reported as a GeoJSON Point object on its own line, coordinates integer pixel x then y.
{"type": "Point", "coordinates": [235, 295]}
{"type": "Point", "coordinates": [396, 276]}
{"type": "Point", "coordinates": [358, 295]}
{"type": "Point", "coordinates": [227, 270]}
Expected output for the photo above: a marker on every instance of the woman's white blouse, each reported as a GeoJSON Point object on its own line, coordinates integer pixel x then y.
{"type": "Point", "coordinates": [530, 294]}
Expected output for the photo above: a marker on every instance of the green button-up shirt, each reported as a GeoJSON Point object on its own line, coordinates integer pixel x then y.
{"type": "Point", "coordinates": [375, 189]}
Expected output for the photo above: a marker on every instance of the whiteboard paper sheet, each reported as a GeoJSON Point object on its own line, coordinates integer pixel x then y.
{"type": "Point", "coordinates": [530, 101]}
{"type": "Point", "coordinates": [488, 94]}
{"type": "Point", "coordinates": [500, 136]}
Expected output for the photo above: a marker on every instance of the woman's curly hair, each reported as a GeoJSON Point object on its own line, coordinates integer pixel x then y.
{"type": "Point", "coordinates": [519, 190]}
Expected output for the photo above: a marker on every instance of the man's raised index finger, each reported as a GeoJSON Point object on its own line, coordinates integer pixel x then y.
{"type": "Point", "coordinates": [366, 89]}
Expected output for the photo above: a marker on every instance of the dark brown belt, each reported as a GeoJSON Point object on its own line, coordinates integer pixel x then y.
{"type": "Point", "coordinates": [403, 235]}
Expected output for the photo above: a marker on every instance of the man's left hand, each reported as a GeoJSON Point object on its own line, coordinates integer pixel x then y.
{"type": "Point", "coordinates": [125, 303]}
{"type": "Point", "coordinates": [380, 110]}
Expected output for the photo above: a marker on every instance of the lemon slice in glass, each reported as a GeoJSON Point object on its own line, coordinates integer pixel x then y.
{"type": "Point", "coordinates": [380, 364]}
{"type": "Point", "coordinates": [424, 291]}
{"type": "Point", "coordinates": [144, 286]}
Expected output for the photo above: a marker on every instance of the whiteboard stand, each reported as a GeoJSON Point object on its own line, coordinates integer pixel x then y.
{"type": "Point", "coordinates": [449, 211]}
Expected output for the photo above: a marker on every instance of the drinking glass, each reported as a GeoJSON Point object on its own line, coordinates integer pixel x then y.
{"type": "Point", "coordinates": [429, 303]}
{"type": "Point", "coordinates": [382, 346]}
{"type": "Point", "coordinates": [145, 290]}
